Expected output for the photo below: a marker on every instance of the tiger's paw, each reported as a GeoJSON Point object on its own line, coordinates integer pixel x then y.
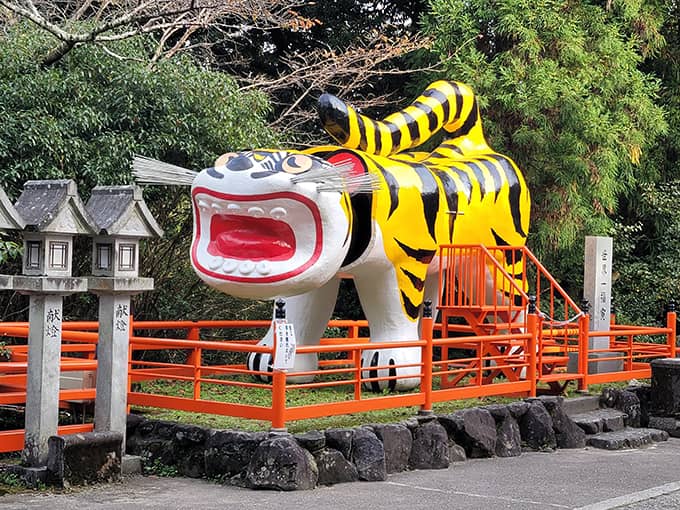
{"type": "Point", "coordinates": [401, 378]}
{"type": "Point", "coordinates": [262, 362]}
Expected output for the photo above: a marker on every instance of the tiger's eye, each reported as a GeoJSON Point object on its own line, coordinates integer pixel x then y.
{"type": "Point", "coordinates": [224, 159]}
{"type": "Point", "coordinates": [297, 163]}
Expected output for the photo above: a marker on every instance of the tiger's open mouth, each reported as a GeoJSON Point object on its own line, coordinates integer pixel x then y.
{"type": "Point", "coordinates": [253, 238]}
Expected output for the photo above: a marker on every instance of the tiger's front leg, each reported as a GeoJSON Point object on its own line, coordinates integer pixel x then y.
{"type": "Point", "coordinates": [380, 299]}
{"type": "Point", "coordinates": [309, 313]}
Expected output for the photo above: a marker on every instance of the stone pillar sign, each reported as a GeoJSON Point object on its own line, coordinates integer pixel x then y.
{"type": "Point", "coordinates": [597, 290]}
{"type": "Point", "coordinates": [53, 213]}
{"type": "Point", "coordinates": [597, 285]}
{"type": "Point", "coordinates": [122, 219]}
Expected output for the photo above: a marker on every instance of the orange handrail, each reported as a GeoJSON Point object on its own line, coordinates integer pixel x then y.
{"type": "Point", "coordinates": [510, 356]}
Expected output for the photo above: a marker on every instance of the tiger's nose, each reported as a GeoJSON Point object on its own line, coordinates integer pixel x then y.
{"type": "Point", "coordinates": [239, 163]}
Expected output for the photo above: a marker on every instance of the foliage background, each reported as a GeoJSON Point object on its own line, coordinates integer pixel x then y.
{"type": "Point", "coordinates": [86, 116]}
{"type": "Point", "coordinates": [583, 95]}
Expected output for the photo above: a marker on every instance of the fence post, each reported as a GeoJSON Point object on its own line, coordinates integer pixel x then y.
{"type": "Point", "coordinates": [279, 401]}
{"type": "Point", "coordinates": [671, 320]}
{"type": "Point", "coordinates": [278, 378]}
{"type": "Point", "coordinates": [532, 327]}
{"type": "Point", "coordinates": [195, 359]}
{"type": "Point", "coordinates": [131, 333]}
{"type": "Point", "coordinates": [583, 328]}
{"type": "Point", "coordinates": [426, 325]}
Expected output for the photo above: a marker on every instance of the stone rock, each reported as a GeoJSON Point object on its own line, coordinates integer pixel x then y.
{"type": "Point", "coordinates": [665, 387]}
{"type": "Point", "coordinates": [368, 455]}
{"type": "Point", "coordinates": [132, 422]}
{"type": "Point", "coordinates": [456, 452]}
{"type": "Point", "coordinates": [150, 448]}
{"type": "Point", "coordinates": [536, 428]}
{"type": "Point", "coordinates": [312, 441]}
{"type": "Point", "coordinates": [608, 397]}
{"type": "Point", "coordinates": [188, 447]}
{"type": "Point", "coordinates": [600, 420]}
{"type": "Point", "coordinates": [397, 442]}
{"type": "Point", "coordinates": [508, 437]}
{"type": "Point", "coordinates": [629, 403]}
{"type": "Point", "coordinates": [163, 429]}
{"type": "Point", "coordinates": [228, 452]}
{"type": "Point", "coordinates": [280, 463]}
{"type": "Point", "coordinates": [667, 423]}
{"type": "Point", "coordinates": [341, 440]}
{"type": "Point", "coordinates": [189, 435]}
{"type": "Point", "coordinates": [430, 448]}
{"type": "Point", "coordinates": [518, 408]}
{"type": "Point", "coordinates": [498, 411]}
{"type": "Point", "coordinates": [567, 433]}
{"type": "Point", "coordinates": [644, 395]}
{"type": "Point", "coordinates": [334, 467]}
{"type": "Point", "coordinates": [474, 430]}
{"type": "Point", "coordinates": [627, 438]}
{"type": "Point", "coordinates": [78, 459]}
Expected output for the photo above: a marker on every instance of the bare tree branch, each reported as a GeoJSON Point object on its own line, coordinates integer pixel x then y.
{"type": "Point", "coordinates": [111, 21]}
{"type": "Point", "coordinates": [342, 72]}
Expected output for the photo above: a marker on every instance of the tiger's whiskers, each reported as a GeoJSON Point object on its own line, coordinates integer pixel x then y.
{"type": "Point", "coordinates": [151, 171]}
{"type": "Point", "coordinates": [339, 177]}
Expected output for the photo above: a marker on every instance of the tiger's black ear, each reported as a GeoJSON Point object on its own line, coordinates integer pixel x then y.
{"type": "Point", "coordinates": [334, 116]}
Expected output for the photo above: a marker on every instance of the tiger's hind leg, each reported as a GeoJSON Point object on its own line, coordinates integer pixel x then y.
{"type": "Point", "coordinates": [309, 313]}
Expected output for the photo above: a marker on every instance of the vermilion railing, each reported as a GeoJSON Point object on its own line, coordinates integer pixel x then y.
{"type": "Point", "coordinates": [501, 350]}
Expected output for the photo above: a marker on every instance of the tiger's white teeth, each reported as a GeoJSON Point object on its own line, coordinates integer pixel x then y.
{"type": "Point", "coordinates": [263, 268]}
{"type": "Point", "coordinates": [217, 206]}
{"type": "Point", "coordinates": [278, 213]}
{"type": "Point", "coordinates": [215, 262]}
{"type": "Point", "coordinates": [229, 266]}
{"type": "Point", "coordinates": [246, 267]}
{"type": "Point", "coordinates": [258, 212]}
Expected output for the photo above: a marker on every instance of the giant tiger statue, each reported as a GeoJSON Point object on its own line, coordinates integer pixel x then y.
{"type": "Point", "coordinates": [271, 223]}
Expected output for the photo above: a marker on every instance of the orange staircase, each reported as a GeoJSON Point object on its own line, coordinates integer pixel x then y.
{"type": "Point", "coordinates": [490, 289]}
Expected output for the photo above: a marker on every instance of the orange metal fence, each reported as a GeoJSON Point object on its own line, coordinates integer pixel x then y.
{"type": "Point", "coordinates": [509, 344]}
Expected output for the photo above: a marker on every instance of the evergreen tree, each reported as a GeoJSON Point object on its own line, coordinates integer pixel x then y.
{"type": "Point", "coordinates": [562, 92]}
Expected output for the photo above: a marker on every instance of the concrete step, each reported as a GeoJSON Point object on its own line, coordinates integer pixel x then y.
{"type": "Point", "coordinates": [600, 420]}
{"type": "Point", "coordinates": [579, 405]}
{"type": "Point", "coordinates": [626, 439]}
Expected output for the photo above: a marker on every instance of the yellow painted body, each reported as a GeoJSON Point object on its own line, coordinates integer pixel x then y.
{"type": "Point", "coordinates": [462, 192]}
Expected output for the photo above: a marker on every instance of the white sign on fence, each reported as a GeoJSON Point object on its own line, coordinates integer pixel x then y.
{"type": "Point", "coordinates": [284, 357]}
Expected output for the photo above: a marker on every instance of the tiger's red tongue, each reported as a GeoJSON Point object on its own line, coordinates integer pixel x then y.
{"type": "Point", "coordinates": [248, 238]}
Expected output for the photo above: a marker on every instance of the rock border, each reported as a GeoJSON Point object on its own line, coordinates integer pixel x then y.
{"type": "Point", "coordinates": [283, 461]}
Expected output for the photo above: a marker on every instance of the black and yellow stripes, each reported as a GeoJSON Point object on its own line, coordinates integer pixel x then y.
{"type": "Point", "coordinates": [444, 105]}
{"type": "Point", "coordinates": [462, 192]}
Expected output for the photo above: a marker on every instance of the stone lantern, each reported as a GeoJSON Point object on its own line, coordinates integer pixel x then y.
{"type": "Point", "coordinates": [9, 217]}
{"type": "Point", "coordinates": [53, 214]}
{"type": "Point", "coordinates": [9, 220]}
{"type": "Point", "coordinates": [122, 219]}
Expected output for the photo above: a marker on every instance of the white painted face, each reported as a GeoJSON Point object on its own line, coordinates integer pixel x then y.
{"type": "Point", "coordinates": [260, 234]}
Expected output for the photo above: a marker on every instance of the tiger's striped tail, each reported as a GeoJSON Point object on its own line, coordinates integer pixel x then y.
{"type": "Point", "coordinates": [444, 104]}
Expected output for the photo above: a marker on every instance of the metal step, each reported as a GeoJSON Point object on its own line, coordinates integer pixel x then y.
{"type": "Point", "coordinates": [626, 439]}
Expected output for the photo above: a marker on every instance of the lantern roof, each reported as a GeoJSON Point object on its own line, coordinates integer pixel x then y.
{"type": "Point", "coordinates": [10, 219]}
{"type": "Point", "coordinates": [121, 211]}
{"type": "Point", "coordinates": [54, 207]}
